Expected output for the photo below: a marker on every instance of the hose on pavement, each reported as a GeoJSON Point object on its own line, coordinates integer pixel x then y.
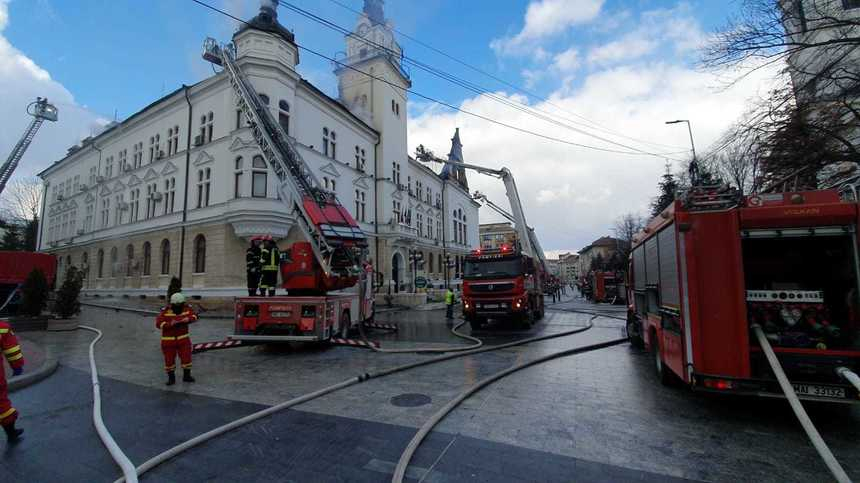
{"type": "Point", "coordinates": [182, 447]}
{"type": "Point", "coordinates": [125, 464]}
{"type": "Point", "coordinates": [406, 456]}
{"type": "Point", "coordinates": [477, 343]}
{"type": "Point", "coordinates": [814, 437]}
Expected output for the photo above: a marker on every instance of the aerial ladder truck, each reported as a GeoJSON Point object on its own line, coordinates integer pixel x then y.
{"type": "Point", "coordinates": [505, 282]}
{"type": "Point", "coordinates": [328, 282]}
{"type": "Point", "coordinates": [41, 111]}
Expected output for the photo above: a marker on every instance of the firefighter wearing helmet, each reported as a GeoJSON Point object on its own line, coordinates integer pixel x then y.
{"type": "Point", "coordinates": [270, 258]}
{"type": "Point", "coordinates": [173, 322]}
{"type": "Point", "coordinates": [253, 266]}
{"type": "Point", "coordinates": [12, 350]}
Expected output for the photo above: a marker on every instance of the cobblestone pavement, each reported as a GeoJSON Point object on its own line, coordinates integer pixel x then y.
{"type": "Point", "coordinates": [600, 416]}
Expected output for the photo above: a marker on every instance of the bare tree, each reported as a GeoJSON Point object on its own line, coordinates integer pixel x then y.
{"type": "Point", "coordinates": [627, 225]}
{"type": "Point", "coordinates": [21, 200]}
{"type": "Point", "coordinates": [813, 118]}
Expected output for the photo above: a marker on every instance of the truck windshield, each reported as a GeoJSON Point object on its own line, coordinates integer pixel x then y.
{"type": "Point", "coordinates": [492, 268]}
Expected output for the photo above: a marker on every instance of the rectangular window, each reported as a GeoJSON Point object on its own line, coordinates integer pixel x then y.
{"type": "Point", "coordinates": [203, 187]}
{"type": "Point", "coordinates": [258, 181]}
{"type": "Point", "coordinates": [849, 4]}
{"type": "Point", "coordinates": [238, 118]}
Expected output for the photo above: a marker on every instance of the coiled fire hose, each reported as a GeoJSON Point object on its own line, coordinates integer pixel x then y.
{"type": "Point", "coordinates": [182, 447]}
{"type": "Point", "coordinates": [814, 437]}
{"type": "Point", "coordinates": [116, 453]}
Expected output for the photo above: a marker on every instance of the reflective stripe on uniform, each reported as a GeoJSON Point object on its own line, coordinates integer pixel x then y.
{"type": "Point", "coordinates": [179, 337]}
{"type": "Point", "coordinates": [8, 413]}
{"type": "Point", "coordinates": [15, 357]}
{"type": "Point", "coordinates": [186, 366]}
{"type": "Point", "coordinates": [169, 368]}
{"type": "Point", "coordinates": [4, 331]}
{"type": "Point", "coordinates": [12, 349]}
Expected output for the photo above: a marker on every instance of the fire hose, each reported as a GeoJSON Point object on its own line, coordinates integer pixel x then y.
{"type": "Point", "coordinates": [406, 457]}
{"type": "Point", "coordinates": [197, 440]}
{"type": "Point", "coordinates": [116, 453]}
{"type": "Point", "coordinates": [849, 376]}
{"type": "Point", "coordinates": [812, 433]}
{"type": "Point", "coordinates": [477, 343]}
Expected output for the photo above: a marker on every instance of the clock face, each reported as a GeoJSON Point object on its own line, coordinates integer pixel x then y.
{"type": "Point", "coordinates": [362, 29]}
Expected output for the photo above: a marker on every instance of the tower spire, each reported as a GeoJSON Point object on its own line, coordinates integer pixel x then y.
{"type": "Point", "coordinates": [457, 173]}
{"type": "Point", "coordinates": [374, 9]}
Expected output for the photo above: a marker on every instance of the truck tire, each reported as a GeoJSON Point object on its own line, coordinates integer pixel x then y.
{"type": "Point", "coordinates": [527, 319]}
{"type": "Point", "coordinates": [474, 321]}
{"type": "Point", "coordinates": [664, 374]}
{"type": "Point", "coordinates": [634, 333]}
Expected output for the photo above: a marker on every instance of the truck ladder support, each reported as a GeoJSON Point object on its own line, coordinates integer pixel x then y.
{"type": "Point", "coordinates": [296, 181]}
{"type": "Point", "coordinates": [41, 112]}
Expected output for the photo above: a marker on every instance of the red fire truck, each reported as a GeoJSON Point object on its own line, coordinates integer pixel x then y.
{"type": "Point", "coordinates": [714, 263]}
{"type": "Point", "coordinates": [502, 283]}
{"type": "Point", "coordinates": [14, 268]}
{"type": "Point", "coordinates": [327, 280]}
{"type": "Point", "coordinates": [608, 286]}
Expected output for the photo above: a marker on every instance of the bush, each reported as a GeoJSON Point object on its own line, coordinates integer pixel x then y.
{"type": "Point", "coordinates": [67, 304]}
{"type": "Point", "coordinates": [34, 294]}
{"type": "Point", "coordinates": [175, 286]}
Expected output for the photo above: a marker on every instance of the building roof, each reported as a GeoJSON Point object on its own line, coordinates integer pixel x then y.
{"type": "Point", "coordinates": [267, 21]}
{"type": "Point", "coordinates": [605, 241]}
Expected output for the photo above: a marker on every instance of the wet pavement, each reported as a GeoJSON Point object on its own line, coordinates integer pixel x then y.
{"type": "Point", "coordinates": [599, 416]}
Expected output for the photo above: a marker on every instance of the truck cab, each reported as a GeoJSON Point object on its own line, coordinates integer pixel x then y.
{"type": "Point", "coordinates": [502, 283]}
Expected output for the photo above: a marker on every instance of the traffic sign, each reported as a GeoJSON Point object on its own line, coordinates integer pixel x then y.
{"type": "Point", "coordinates": [420, 282]}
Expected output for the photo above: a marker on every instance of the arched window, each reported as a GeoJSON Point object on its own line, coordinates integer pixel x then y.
{"type": "Point", "coordinates": [100, 261]}
{"type": "Point", "coordinates": [165, 256]}
{"type": "Point", "coordinates": [325, 141]}
{"type": "Point", "coordinates": [114, 258]}
{"type": "Point", "coordinates": [199, 254]}
{"type": "Point", "coordinates": [264, 98]}
{"type": "Point", "coordinates": [129, 255]}
{"type": "Point", "coordinates": [85, 267]}
{"type": "Point", "coordinates": [238, 165]}
{"type": "Point", "coordinates": [259, 177]}
{"type": "Point", "coordinates": [284, 115]}
{"type": "Point", "coordinates": [147, 258]}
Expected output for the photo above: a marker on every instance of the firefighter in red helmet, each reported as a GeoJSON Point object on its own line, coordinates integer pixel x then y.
{"type": "Point", "coordinates": [12, 351]}
{"type": "Point", "coordinates": [173, 321]}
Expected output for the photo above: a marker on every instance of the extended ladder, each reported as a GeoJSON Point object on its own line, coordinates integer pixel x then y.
{"type": "Point", "coordinates": [41, 111]}
{"type": "Point", "coordinates": [335, 238]}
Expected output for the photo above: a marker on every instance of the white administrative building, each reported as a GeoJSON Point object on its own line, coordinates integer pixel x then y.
{"type": "Point", "coordinates": [179, 188]}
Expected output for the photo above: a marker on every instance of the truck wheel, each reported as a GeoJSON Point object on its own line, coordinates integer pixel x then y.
{"type": "Point", "coordinates": [345, 323]}
{"type": "Point", "coordinates": [663, 372]}
{"type": "Point", "coordinates": [474, 321]}
{"type": "Point", "coordinates": [634, 334]}
{"type": "Point", "coordinates": [527, 319]}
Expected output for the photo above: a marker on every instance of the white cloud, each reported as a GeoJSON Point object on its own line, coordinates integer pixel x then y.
{"type": "Point", "coordinates": [675, 27]}
{"type": "Point", "coordinates": [545, 18]}
{"type": "Point", "coordinates": [567, 61]}
{"type": "Point", "coordinates": [572, 195]}
{"type": "Point", "coordinates": [21, 81]}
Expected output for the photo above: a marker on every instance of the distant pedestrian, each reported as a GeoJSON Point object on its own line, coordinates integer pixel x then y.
{"type": "Point", "coordinates": [173, 322]}
{"type": "Point", "coordinates": [450, 298]}
{"type": "Point", "coordinates": [253, 266]}
{"type": "Point", "coordinates": [15, 358]}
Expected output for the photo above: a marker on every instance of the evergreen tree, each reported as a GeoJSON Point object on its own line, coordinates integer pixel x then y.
{"type": "Point", "coordinates": [31, 232]}
{"type": "Point", "coordinates": [175, 286]}
{"type": "Point", "coordinates": [11, 238]}
{"type": "Point", "coordinates": [668, 187]}
{"type": "Point", "coordinates": [34, 293]}
{"type": "Point", "coordinates": [67, 304]}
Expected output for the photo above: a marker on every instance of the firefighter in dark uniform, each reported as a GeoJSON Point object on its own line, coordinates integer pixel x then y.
{"type": "Point", "coordinates": [270, 258]}
{"type": "Point", "coordinates": [253, 266]}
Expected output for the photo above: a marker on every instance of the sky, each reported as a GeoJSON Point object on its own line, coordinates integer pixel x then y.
{"type": "Point", "coordinates": [607, 73]}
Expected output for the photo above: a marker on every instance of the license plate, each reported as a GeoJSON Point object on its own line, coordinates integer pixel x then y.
{"type": "Point", "coordinates": [819, 391]}
{"type": "Point", "coordinates": [491, 306]}
{"type": "Point", "coordinates": [282, 315]}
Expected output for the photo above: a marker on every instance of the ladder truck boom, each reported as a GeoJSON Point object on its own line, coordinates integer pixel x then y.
{"type": "Point", "coordinates": [41, 111]}
{"type": "Point", "coordinates": [528, 241]}
{"type": "Point", "coordinates": [498, 209]}
{"type": "Point", "coordinates": [337, 242]}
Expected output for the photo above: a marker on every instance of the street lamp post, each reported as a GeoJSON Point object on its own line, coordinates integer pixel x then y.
{"type": "Point", "coordinates": [694, 165]}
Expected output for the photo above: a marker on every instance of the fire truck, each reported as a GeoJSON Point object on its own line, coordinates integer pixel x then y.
{"type": "Point", "coordinates": [715, 263]}
{"type": "Point", "coordinates": [14, 269]}
{"type": "Point", "coordinates": [328, 282]}
{"type": "Point", "coordinates": [507, 282]}
{"type": "Point", "coordinates": [608, 286]}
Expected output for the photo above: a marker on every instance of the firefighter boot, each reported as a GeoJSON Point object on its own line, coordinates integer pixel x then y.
{"type": "Point", "coordinates": [186, 376]}
{"type": "Point", "coordinates": [171, 378]}
{"type": "Point", "coordinates": [13, 435]}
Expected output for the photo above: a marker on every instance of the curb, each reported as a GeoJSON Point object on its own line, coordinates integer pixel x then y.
{"type": "Point", "coordinates": [202, 315]}
{"type": "Point", "coordinates": [48, 367]}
